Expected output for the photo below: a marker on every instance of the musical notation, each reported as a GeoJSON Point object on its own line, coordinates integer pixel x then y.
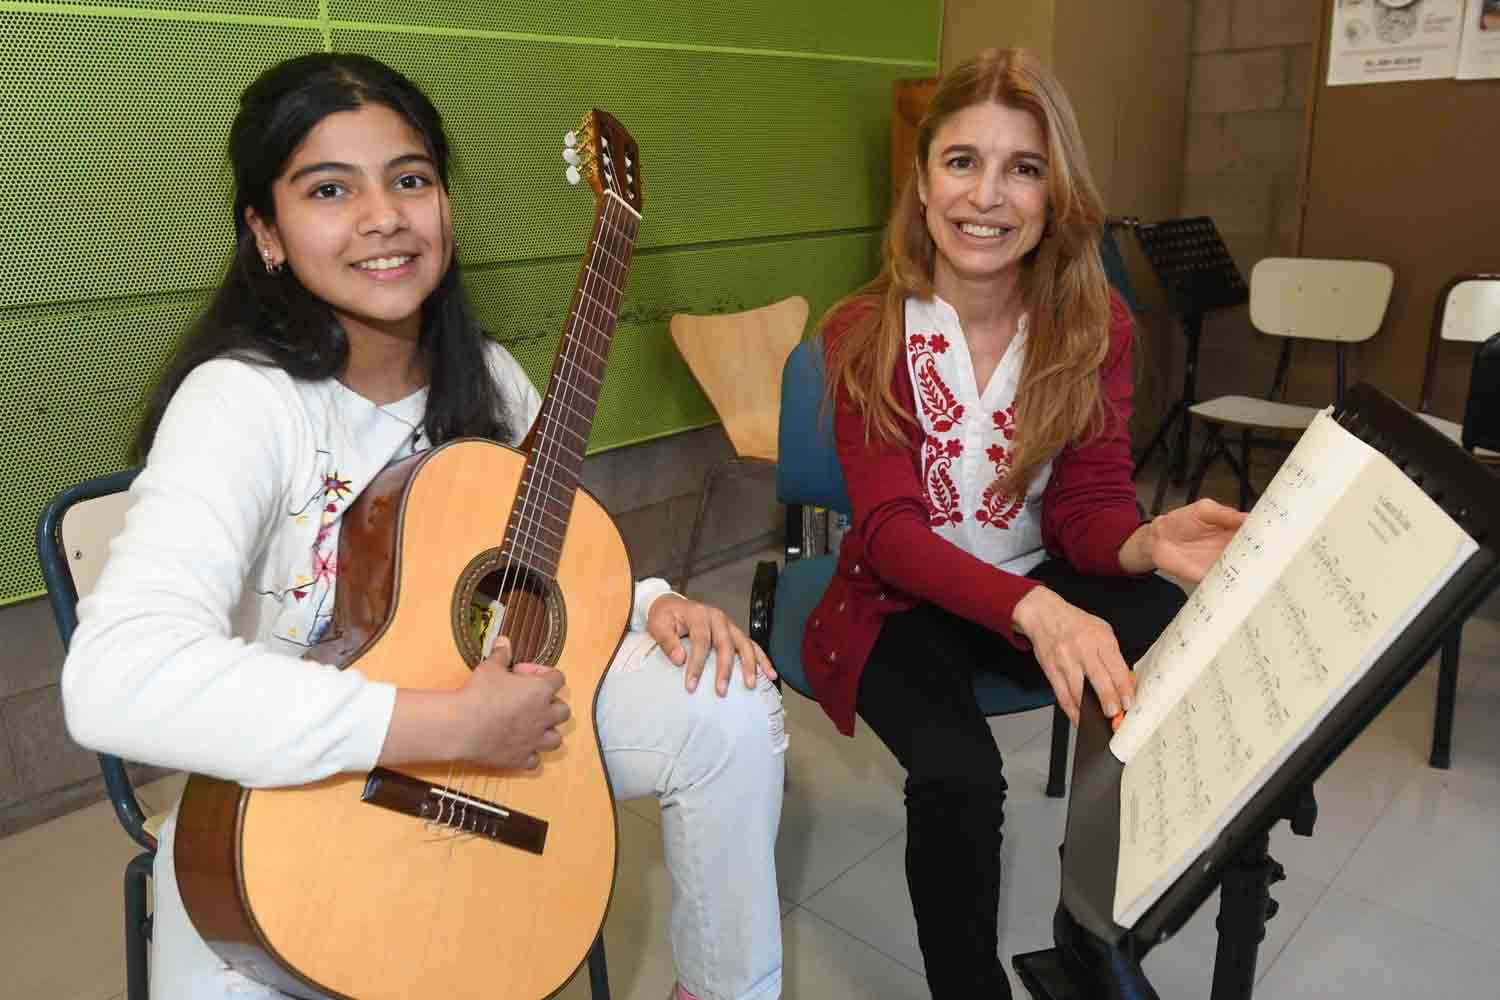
{"type": "Point", "coordinates": [1297, 608]}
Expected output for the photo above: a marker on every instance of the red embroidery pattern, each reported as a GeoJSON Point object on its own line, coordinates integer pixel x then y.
{"type": "Point", "coordinates": [944, 411]}
{"type": "Point", "coordinates": [995, 508]}
{"type": "Point", "coordinates": [937, 476]}
{"type": "Point", "coordinates": [1005, 421]}
{"type": "Point", "coordinates": [937, 399]}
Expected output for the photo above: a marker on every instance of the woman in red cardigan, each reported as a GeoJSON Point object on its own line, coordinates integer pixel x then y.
{"type": "Point", "coordinates": [981, 391]}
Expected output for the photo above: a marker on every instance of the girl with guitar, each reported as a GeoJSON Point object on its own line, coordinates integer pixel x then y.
{"type": "Point", "coordinates": [338, 343]}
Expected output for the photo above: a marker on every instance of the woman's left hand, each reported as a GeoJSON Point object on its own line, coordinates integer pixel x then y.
{"type": "Point", "coordinates": [673, 617]}
{"type": "Point", "coordinates": [1185, 542]}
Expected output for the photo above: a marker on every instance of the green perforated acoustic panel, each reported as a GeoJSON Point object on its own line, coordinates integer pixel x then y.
{"type": "Point", "coordinates": [647, 390]}
{"type": "Point", "coordinates": [764, 132]}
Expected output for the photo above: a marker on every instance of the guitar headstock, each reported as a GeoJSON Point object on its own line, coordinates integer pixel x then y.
{"type": "Point", "coordinates": [602, 152]}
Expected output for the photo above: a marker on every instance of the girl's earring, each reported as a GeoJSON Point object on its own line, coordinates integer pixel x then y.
{"type": "Point", "coordinates": [273, 266]}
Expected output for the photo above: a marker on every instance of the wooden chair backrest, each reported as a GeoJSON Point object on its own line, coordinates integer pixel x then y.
{"type": "Point", "coordinates": [737, 359]}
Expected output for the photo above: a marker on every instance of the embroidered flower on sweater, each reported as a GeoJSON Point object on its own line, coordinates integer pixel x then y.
{"type": "Point", "coordinates": [968, 440]}
{"type": "Point", "coordinates": [1005, 421]}
{"type": "Point", "coordinates": [335, 487]}
{"type": "Point", "coordinates": [997, 509]}
{"type": "Point", "coordinates": [937, 399]}
{"type": "Point", "coordinates": [305, 619]}
{"type": "Point", "coordinates": [941, 494]}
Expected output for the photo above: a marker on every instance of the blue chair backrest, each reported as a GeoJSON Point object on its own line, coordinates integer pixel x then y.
{"type": "Point", "coordinates": [807, 467]}
{"type": "Point", "coordinates": [63, 598]}
{"type": "Point", "coordinates": [1114, 269]}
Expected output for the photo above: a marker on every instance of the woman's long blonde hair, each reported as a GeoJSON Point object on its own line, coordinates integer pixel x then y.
{"type": "Point", "coordinates": [1066, 294]}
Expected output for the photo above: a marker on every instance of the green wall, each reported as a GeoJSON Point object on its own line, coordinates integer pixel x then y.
{"type": "Point", "coordinates": [764, 132]}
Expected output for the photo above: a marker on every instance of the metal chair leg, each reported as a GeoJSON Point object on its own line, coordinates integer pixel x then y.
{"type": "Point", "coordinates": [1246, 441]}
{"type": "Point", "coordinates": [137, 935]}
{"type": "Point", "coordinates": [1211, 444]}
{"type": "Point", "coordinates": [598, 972]}
{"type": "Point", "coordinates": [697, 536]}
{"type": "Point", "coordinates": [1057, 767]}
{"type": "Point", "coordinates": [1442, 725]}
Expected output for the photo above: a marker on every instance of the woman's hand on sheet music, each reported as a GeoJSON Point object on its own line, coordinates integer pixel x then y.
{"type": "Point", "coordinates": [709, 630]}
{"type": "Point", "coordinates": [1185, 542]}
{"type": "Point", "coordinates": [1073, 646]}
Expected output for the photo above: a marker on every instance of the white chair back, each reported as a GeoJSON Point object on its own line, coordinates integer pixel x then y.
{"type": "Point", "coordinates": [1472, 310]}
{"type": "Point", "coordinates": [1335, 300]}
{"type": "Point", "coordinates": [86, 530]}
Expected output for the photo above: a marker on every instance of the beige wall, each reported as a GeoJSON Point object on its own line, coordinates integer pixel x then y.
{"type": "Point", "coordinates": [1252, 67]}
{"type": "Point", "coordinates": [1125, 67]}
{"type": "Point", "coordinates": [972, 25]}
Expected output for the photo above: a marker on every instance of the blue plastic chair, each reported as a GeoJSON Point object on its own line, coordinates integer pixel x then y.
{"type": "Point", "coordinates": [1114, 262]}
{"type": "Point", "coordinates": [63, 597]}
{"type": "Point", "coordinates": [781, 599]}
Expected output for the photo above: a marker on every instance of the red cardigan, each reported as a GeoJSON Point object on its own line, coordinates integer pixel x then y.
{"type": "Point", "coordinates": [891, 560]}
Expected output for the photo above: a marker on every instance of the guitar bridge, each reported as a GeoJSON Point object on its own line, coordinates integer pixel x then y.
{"type": "Point", "coordinates": [458, 810]}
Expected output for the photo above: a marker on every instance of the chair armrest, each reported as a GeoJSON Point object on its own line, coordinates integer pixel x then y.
{"type": "Point", "coordinates": [763, 603]}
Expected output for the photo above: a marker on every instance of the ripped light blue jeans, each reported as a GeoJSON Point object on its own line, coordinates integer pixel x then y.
{"type": "Point", "coordinates": [716, 765]}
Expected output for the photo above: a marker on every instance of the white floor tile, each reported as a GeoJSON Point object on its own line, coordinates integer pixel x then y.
{"type": "Point", "coordinates": [1349, 947]}
{"type": "Point", "coordinates": [843, 800]}
{"type": "Point", "coordinates": [1432, 854]}
{"type": "Point", "coordinates": [825, 963]}
{"type": "Point", "coordinates": [62, 928]}
{"type": "Point", "coordinates": [871, 900]}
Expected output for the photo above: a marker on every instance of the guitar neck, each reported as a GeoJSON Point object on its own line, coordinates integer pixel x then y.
{"type": "Point", "coordinates": [559, 438]}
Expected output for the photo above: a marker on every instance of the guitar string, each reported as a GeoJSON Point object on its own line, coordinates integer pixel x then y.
{"type": "Point", "coordinates": [545, 461]}
{"type": "Point", "coordinates": [529, 522]}
{"type": "Point", "coordinates": [590, 336]}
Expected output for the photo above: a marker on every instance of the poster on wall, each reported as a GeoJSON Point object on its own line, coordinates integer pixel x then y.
{"type": "Point", "coordinates": [1479, 56]}
{"type": "Point", "coordinates": [1384, 41]}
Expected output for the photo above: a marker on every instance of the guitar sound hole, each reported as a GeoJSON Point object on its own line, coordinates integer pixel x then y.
{"type": "Point", "coordinates": [499, 597]}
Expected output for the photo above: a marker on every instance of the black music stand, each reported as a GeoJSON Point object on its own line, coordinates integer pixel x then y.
{"type": "Point", "coordinates": [1097, 958]}
{"type": "Point", "coordinates": [1197, 274]}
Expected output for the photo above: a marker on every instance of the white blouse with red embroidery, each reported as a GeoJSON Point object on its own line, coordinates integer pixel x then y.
{"type": "Point", "coordinates": [968, 439]}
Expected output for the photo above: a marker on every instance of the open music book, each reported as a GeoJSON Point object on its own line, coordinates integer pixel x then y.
{"type": "Point", "coordinates": [1339, 555]}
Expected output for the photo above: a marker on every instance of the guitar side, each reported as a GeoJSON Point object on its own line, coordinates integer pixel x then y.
{"type": "Point", "coordinates": [319, 893]}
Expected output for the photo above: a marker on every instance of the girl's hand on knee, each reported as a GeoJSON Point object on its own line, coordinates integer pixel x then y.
{"type": "Point", "coordinates": [708, 628]}
{"type": "Point", "coordinates": [1073, 646]}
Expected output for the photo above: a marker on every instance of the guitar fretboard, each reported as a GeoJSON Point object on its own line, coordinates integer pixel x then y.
{"type": "Point", "coordinates": [539, 519]}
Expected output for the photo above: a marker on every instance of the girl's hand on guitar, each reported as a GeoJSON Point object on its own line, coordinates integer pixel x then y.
{"type": "Point", "coordinates": [672, 617]}
{"type": "Point", "coordinates": [513, 711]}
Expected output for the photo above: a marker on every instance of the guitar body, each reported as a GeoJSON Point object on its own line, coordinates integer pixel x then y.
{"type": "Point", "coordinates": [318, 892]}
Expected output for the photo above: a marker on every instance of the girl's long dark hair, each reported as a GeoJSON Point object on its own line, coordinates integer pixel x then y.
{"type": "Point", "coordinates": [272, 319]}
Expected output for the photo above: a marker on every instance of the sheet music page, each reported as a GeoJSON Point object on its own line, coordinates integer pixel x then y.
{"type": "Point", "coordinates": [1375, 560]}
{"type": "Point", "coordinates": [1319, 469]}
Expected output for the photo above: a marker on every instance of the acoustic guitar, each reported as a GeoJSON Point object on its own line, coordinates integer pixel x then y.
{"type": "Point", "coordinates": [451, 880]}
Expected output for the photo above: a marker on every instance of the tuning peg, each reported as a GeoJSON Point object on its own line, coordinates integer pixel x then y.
{"type": "Point", "coordinates": [570, 139]}
{"type": "Point", "coordinates": [570, 156]}
{"type": "Point", "coordinates": [573, 175]}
